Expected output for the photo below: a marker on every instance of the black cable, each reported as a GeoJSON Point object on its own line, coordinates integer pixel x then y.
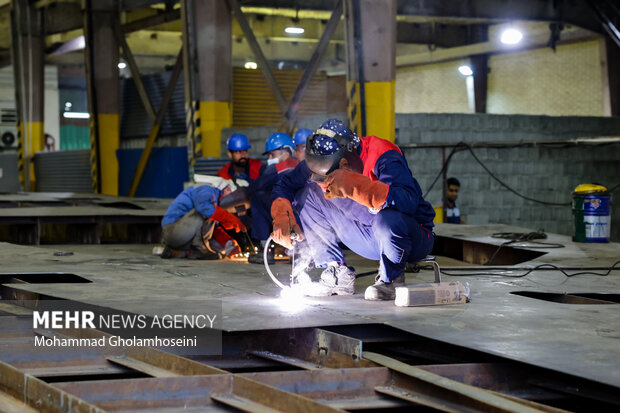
{"type": "Point", "coordinates": [444, 167]}
{"type": "Point", "coordinates": [542, 267]}
{"type": "Point", "coordinates": [509, 188]}
{"type": "Point", "coordinates": [502, 183]}
{"type": "Point", "coordinates": [613, 188]}
{"type": "Point", "coordinates": [523, 237]}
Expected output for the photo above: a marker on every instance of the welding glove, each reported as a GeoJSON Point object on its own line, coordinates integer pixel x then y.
{"type": "Point", "coordinates": [343, 183]}
{"type": "Point", "coordinates": [284, 223]}
{"type": "Point", "coordinates": [227, 220]}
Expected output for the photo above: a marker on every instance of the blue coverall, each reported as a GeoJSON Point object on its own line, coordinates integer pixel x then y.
{"type": "Point", "coordinates": [400, 232]}
{"type": "Point", "coordinates": [260, 197]}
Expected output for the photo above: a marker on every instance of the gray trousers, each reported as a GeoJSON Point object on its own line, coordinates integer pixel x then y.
{"type": "Point", "coordinates": [192, 229]}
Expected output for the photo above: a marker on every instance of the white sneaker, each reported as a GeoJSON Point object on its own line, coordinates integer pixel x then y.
{"type": "Point", "coordinates": [335, 279]}
{"type": "Point", "coordinates": [382, 290]}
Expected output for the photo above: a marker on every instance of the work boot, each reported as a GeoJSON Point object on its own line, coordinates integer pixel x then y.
{"type": "Point", "coordinates": [335, 279]}
{"type": "Point", "coordinates": [172, 253]}
{"type": "Point", "coordinates": [258, 257]}
{"type": "Point", "coordinates": [382, 290]}
{"type": "Point", "coordinates": [203, 254]}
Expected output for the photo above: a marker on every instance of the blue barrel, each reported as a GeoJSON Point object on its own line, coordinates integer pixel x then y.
{"type": "Point", "coordinates": [592, 216]}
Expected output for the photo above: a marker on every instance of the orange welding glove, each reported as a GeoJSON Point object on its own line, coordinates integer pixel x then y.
{"type": "Point", "coordinates": [228, 220]}
{"type": "Point", "coordinates": [284, 223]}
{"type": "Point", "coordinates": [343, 183]}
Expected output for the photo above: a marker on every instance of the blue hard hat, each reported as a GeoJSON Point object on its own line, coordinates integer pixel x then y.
{"type": "Point", "coordinates": [278, 140]}
{"type": "Point", "coordinates": [301, 135]}
{"type": "Point", "coordinates": [238, 142]}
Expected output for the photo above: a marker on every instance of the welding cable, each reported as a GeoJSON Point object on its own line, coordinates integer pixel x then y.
{"type": "Point", "coordinates": [502, 183]}
{"type": "Point", "coordinates": [464, 146]}
{"type": "Point", "coordinates": [502, 271]}
{"type": "Point", "coordinates": [523, 238]}
{"type": "Point", "coordinates": [273, 277]}
{"type": "Point", "coordinates": [444, 167]}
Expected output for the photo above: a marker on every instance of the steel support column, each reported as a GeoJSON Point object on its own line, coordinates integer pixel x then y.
{"type": "Point", "coordinates": [480, 67]}
{"type": "Point", "coordinates": [370, 36]}
{"type": "Point", "coordinates": [610, 59]}
{"type": "Point", "coordinates": [207, 57]}
{"type": "Point", "coordinates": [102, 55]}
{"type": "Point", "coordinates": [28, 67]}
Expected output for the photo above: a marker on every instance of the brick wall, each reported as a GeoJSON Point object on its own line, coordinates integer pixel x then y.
{"type": "Point", "coordinates": [544, 173]}
{"type": "Point", "coordinates": [567, 82]}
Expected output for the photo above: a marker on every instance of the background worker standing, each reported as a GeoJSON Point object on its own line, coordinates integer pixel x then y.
{"type": "Point", "coordinates": [358, 191]}
{"type": "Point", "coordinates": [452, 211]}
{"type": "Point", "coordinates": [279, 149]}
{"type": "Point", "coordinates": [241, 165]}
{"type": "Point", "coordinates": [299, 139]}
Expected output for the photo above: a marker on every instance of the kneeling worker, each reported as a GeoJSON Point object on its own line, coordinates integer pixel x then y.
{"type": "Point", "coordinates": [190, 226]}
{"type": "Point", "coordinates": [358, 191]}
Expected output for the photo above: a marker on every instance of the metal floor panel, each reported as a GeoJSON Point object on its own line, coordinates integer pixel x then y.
{"type": "Point", "coordinates": [579, 340]}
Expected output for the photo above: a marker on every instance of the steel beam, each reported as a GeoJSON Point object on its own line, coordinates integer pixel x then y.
{"type": "Point", "coordinates": [161, 113]}
{"type": "Point", "coordinates": [207, 56]}
{"type": "Point", "coordinates": [480, 67]}
{"type": "Point", "coordinates": [135, 73]}
{"type": "Point", "coordinates": [28, 57]}
{"type": "Point", "coordinates": [430, 389]}
{"type": "Point", "coordinates": [313, 64]}
{"type": "Point", "coordinates": [610, 64]}
{"type": "Point", "coordinates": [36, 393]}
{"type": "Point", "coordinates": [371, 52]}
{"type": "Point", "coordinates": [103, 86]}
{"type": "Point", "coordinates": [261, 61]}
{"type": "Point", "coordinates": [155, 20]}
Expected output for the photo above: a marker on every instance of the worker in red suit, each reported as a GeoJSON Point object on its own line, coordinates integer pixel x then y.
{"type": "Point", "coordinates": [360, 192]}
{"type": "Point", "coordinates": [241, 165]}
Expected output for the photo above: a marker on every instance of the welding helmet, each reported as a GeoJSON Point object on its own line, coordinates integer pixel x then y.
{"type": "Point", "coordinates": [330, 143]}
{"type": "Point", "coordinates": [301, 135]}
{"type": "Point", "coordinates": [278, 140]}
{"type": "Point", "coordinates": [238, 142]}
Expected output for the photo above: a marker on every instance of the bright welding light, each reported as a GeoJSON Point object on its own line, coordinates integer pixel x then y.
{"type": "Point", "coordinates": [291, 299]}
{"type": "Point", "coordinates": [122, 65]}
{"type": "Point", "coordinates": [250, 65]}
{"type": "Point", "coordinates": [294, 30]}
{"type": "Point", "coordinates": [511, 36]}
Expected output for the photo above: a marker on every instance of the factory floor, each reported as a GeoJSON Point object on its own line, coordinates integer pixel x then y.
{"type": "Point", "coordinates": [580, 340]}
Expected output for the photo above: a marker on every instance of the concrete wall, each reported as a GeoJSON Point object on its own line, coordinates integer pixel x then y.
{"type": "Point", "coordinates": [544, 173]}
{"type": "Point", "coordinates": [567, 82]}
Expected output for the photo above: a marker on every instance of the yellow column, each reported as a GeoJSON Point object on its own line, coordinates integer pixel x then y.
{"type": "Point", "coordinates": [380, 109]}
{"type": "Point", "coordinates": [214, 116]}
{"type": "Point", "coordinates": [109, 142]}
{"type": "Point", "coordinates": [370, 35]}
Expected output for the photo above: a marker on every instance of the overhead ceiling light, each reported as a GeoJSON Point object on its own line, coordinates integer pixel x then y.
{"type": "Point", "coordinates": [122, 65]}
{"type": "Point", "coordinates": [511, 36]}
{"type": "Point", "coordinates": [76, 115]}
{"type": "Point", "coordinates": [294, 30]}
{"type": "Point", "coordinates": [250, 65]}
{"type": "Point", "coordinates": [465, 70]}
